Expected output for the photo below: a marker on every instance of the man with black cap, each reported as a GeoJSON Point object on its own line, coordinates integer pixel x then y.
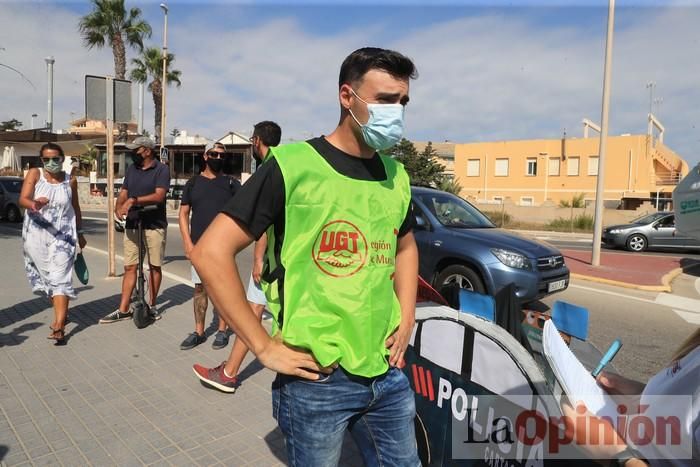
{"type": "Point", "coordinates": [146, 182]}
{"type": "Point", "coordinates": [204, 196]}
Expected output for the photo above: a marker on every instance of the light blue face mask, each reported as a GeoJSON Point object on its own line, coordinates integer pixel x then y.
{"type": "Point", "coordinates": [384, 128]}
{"type": "Point", "coordinates": [53, 166]}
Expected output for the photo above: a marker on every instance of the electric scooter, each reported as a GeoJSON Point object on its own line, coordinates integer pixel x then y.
{"type": "Point", "coordinates": [143, 315]}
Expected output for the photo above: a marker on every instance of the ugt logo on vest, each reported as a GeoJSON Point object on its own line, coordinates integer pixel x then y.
{"type": "Point", "coordinates": [340, 249]}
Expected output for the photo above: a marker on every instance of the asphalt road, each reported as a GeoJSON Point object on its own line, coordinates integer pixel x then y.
{"type": "Point", "coordinates": [95, 226]}
{"type": "Point", "coordinates": [646, 322]}
{"type": "Point", "coordinates": [649, 324]}
{"type": "Point", "coordinates": [586, 245]}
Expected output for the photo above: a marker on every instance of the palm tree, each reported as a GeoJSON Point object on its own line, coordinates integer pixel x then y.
{"type": "Point", "coordinates": [108, 23]}
{"type": "Point", "coordinates": [150, 66]}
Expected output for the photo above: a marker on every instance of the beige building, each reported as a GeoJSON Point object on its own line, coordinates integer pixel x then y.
{"type": "Point", "coordinates": [94, 128]}
{"type": "Point", "coordinates": [638, 168]}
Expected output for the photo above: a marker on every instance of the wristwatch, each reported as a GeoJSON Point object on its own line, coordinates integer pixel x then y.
{"type": "Point", "coordinates": [625, 455]}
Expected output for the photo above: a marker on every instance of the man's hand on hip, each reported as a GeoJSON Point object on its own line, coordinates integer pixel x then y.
{"type": "Point", "coordinates": [287, 360]}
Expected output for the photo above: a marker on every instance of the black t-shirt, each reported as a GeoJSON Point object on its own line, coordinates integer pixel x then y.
{"type": "Point", "coordinates": [207, 196]}
{"type": "Point", "coordinates": [143, 182]}
{"type": "Point", "coordinates": [260, 201]}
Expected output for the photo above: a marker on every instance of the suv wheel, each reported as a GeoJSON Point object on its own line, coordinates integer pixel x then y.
{"type": "Point", "coordinates": [12, 213]}
{"type": "Point", "coordinates": [461, 275]}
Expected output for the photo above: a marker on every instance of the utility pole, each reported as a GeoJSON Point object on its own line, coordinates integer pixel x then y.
{"type": "Point", "coordinates": [139, 115]}
{"type": "Point", "coordinates": [164, 82]}
{"type": "Point", "coordinates": [600, 186]}
{"type": "Point", "coordinates": [49, 104]}
{"type": "Point", "coordinates": [109, 117]}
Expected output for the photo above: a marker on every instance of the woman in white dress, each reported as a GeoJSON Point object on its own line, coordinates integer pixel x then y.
{"type": "Point", "coordinates": [674, 392]}
{"type": "Point", "coordinates": [52, 228]}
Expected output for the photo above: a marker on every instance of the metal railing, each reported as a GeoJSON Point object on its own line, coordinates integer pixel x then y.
{"type": "Point", "coordinates": [672, 178]}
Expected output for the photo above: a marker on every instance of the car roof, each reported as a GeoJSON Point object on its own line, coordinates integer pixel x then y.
{"type": "Point", "coordinates": [10, 177]}
{"type": "Point", "coordinates": [423, 189]}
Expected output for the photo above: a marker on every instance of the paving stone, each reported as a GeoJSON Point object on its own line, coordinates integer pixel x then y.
{"type": "Point", "coordinates": [181, 460]}
{"type": "Point", "coordinates": [115, 395]}
{"type": "Point", "coordinates": [150, 457]}
{"type": "Point", "coordinates": [168, 451]}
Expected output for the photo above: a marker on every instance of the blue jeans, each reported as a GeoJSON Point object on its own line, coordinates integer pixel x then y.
{"type": "Point", "coordinates": [379, 413]}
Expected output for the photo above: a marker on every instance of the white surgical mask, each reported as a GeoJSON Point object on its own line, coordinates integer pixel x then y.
{"type": "Point", "coordinates": [384, 128]}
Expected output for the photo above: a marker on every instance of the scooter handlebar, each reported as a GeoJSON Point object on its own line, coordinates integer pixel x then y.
{"type": "Point", "coordinates": [149, 207]}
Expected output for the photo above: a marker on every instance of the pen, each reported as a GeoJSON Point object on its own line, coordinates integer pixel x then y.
{"type": "Point", "coordinates": [607, 358]}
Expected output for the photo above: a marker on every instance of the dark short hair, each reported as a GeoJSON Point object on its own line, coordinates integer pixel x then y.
{"type": "Point", "coordinates": [363, 60]}
{"type": "Point", "coordinates": [52, 146]}
{"type": "Point", "coordinates": [269, 133]}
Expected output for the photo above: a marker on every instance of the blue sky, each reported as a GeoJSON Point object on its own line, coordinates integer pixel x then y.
{"type": "Point", "coordinates": [487, 72]}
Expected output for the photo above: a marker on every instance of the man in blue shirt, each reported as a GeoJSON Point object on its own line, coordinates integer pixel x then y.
{"type": "Point", "coordinates": [146, 182]}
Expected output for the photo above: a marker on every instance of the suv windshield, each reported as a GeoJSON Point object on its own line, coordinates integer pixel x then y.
{"type": "Point", "coordinates": [452, 211]}
{"type": "Point", "coordinates": [13, 186]}
{"type": "Point", "coordinates": [648, 219]}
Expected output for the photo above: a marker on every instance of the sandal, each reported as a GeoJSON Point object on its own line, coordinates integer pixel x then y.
{"type": "Point", "coordinates": [58, 335]}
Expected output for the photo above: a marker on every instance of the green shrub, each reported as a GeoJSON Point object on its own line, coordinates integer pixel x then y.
{"type": "Point", "coordinates": [500, 218]}
{"type": "Point", "coordinates": [577, 201]}
{"type": "Point", "coordinates": [580, 222]}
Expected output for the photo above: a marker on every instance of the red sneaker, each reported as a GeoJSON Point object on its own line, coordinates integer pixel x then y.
{"type": "Point", "coordinates": [215, 377]}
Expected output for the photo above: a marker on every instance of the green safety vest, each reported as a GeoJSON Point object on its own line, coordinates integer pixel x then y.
{"type": "Point", "coordinates": [338, 260]}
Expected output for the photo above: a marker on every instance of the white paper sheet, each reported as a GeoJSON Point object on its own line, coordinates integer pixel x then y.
{"type": "Point", "coordinates": [576, 380]}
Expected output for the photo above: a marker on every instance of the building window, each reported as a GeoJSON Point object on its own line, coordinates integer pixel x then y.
{"type": "Point", "coordinates": [593, 165]}
{"type": "Point", "coordinates": [572, 166]}
{"type": "Point", "coordinates": [554, 166]}
{"type": "Point", "coordinates": [473, 167]}
{"type": "Point", "coordinates": [527, 201]}
{"type": "Point", "coordinates": [501, 168]}
{"type": "Point", "coordinates": [531, 168]}
{"type": "Point", "coordinates": [185, 164]}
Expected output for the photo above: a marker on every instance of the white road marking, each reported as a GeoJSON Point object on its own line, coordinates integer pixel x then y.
{"type": "Point", "coordinates": [689, 316]}
{"type": "Point", "coordinates": [615, 294]}
{"type": "Point", "coordinates": [167, 274]}
{"type": "Point", "coordinates": [689, 307]}
{"type": "Point", "coordinates": [676, 301]}
{"type": "Point", "coordinates": [554, 239]}
{"type": "Point", "coordinates": [102, 219]}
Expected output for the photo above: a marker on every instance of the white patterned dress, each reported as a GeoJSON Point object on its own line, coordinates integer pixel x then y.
{"type": "Point", "coordinates": [49, 238]}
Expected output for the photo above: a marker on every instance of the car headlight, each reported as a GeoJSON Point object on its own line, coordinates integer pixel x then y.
{"type": "Point", "coordinates": [615, 231]}
{"type": "Point", "coordinates": [512, 259]}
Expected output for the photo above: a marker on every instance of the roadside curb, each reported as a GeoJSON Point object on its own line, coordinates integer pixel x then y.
{"type": "Point", "coordinates": [665, 280]}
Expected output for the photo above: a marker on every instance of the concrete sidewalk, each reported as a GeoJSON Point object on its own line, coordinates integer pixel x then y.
{"type": "Point", "coordinates": [116, 395]}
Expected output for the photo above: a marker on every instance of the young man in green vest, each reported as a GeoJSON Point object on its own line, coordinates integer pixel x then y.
{"type": "Point", "coordinates": [342, 276]}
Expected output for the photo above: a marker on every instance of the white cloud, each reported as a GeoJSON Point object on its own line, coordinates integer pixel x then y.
{"type": "Point", "coordinates": [498, 75]}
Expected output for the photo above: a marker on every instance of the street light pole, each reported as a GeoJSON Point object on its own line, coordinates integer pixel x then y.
{"type": "Point", "coordinates": [600, 186]}
{"type": "Point", "coordinates": [164, 82]}
{"type": "Point", "coordinates": [49, 102]}
{"type": "Point", "coordinates": [139, 115]}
